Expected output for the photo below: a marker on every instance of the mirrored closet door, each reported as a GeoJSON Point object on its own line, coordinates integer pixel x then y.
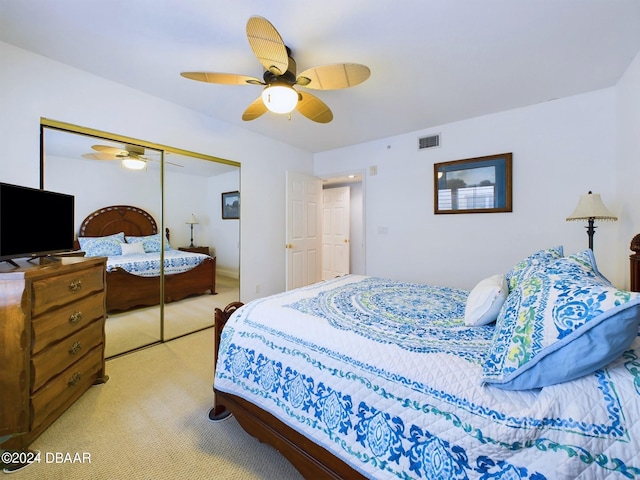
{"type": "Point", "coordinates": [175, 191]}
{"type": "Point", "coordinates": [192, 207]}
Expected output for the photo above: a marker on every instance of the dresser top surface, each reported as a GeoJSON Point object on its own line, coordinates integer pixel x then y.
{"type": "Point", "coordinates": [46, 266]}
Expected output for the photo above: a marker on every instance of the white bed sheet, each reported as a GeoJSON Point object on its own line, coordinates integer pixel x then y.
{"type": "Point", "coordinates": [394, 404]}
{"type": "Point", "coordinates": [148, 264]}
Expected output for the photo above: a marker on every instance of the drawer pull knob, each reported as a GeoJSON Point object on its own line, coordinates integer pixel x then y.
{"type": "Point", "coordinates": [75, 378]}
{"type": "Point", "coordinates": [75, 317]}
{"type": "Point", "coordinates": [75, 348]}
{"type": "Point", "coordinates": [75, 286]}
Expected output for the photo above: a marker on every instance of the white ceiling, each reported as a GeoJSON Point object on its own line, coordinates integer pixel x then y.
{"type": "Point", "coordinates": [432, 61]}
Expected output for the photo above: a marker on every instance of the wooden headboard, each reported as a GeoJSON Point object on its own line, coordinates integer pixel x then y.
{"type": "Point", "coordinates": [133, 221]}
{"type": "Point", "coordinates": [635, 264]}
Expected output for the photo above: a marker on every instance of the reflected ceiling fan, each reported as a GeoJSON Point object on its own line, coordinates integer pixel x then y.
{"type": "Point", "coordinates": [132, 156]}
{"type": "Point", "coordinates": [280, 77]}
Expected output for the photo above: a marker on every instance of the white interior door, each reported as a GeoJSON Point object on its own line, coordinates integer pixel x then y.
{"type": "Point", "coordinates": [335, 231]}
{"type": "Point", "coordinates": [303, 239]}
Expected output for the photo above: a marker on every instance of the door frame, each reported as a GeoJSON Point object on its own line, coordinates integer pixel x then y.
{"type": "Point", "coordinates": [341, 179]}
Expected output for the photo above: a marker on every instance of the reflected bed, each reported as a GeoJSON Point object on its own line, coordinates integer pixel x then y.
{"type": "Point", "coordinates": [114, 230]}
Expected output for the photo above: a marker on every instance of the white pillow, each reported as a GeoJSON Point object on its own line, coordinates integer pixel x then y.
{"type": "Point", "coordinates": [132, 248]}
{"type": "Point", "coordinates": [485, 300]}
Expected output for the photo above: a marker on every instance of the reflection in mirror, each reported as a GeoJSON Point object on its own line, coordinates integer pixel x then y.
{"type": "Point", "coordinates": [92, 167]}
{"type": "Point", "coordinates": [192, 208]}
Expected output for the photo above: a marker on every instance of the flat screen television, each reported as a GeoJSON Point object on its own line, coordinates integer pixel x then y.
{"type": "Point", "coordinates": [34, 222]}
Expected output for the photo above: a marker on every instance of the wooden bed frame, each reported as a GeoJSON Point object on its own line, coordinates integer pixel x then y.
{"type": "Point", "coordinates": [126, 291]}
{"type": "Point", "coordinates": [311, 460]}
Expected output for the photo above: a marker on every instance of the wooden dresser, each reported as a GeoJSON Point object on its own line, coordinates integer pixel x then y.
{"type": "Point", "coordinates": [52, 319]}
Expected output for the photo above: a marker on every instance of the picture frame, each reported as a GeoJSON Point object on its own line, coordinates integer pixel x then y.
{"type": "Point", "coordinates": [473, 185]}
{"type": "Point", "coordinates": [231, 205]}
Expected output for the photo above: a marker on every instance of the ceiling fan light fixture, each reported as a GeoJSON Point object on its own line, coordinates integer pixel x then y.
{"type": "Point", "coordinates": [134, 163]}
{"type": "Point", "coordinates": [280, 98]}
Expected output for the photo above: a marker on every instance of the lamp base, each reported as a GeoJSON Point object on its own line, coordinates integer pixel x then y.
{"type": "Point", "coordinates": [591, 230]}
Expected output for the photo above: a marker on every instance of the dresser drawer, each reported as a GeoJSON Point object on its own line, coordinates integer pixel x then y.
{"type": "Point", "coordinates": [66, 320]}
{"type": "Point", "coordinates": [52, 399]}
{"type": "Point", "coordinates": [61, 289]}
{"type": "Point", "coordinates": [59, 356]}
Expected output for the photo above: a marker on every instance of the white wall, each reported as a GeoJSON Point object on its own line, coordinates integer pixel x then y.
{"type": "Point", "coordinates": [357, 257]}
{"type": "Point", "coordinates": [185, 195]}
{"type": "Point", "coordinates": [628, 159]}
{"type": "Point", "coordinates": [561, 149]}
{"type": "Point", "coordinates": [140, 188]}
{"type": "Point", "coordinates": [224, 233]}
{"type": "Point", "coordinates": [32, 86]}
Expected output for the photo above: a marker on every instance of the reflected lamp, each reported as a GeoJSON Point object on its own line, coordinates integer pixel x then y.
{"type": "Point", "coordinates": [192, 221]}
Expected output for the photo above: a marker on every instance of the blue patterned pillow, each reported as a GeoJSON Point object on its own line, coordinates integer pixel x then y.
{"type": "Point", "coordinates": [151, 243]}
{"type": "Point", "coordinates": [563, 321]}
{"type": "Point", "coordinates": [587, 261]}
{"type": "Point", "coordinates": [102, 246]}
{"type": "Point", "coordinates": [521, 269]}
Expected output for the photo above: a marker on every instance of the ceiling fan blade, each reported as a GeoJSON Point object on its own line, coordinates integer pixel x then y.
{"type": "Point", "coordinates": [115, 151]}
{"type": "Point", "coordinates": [333, 77]}
{"type": "Point", "coordinates": [222, 78]}
{"type": "Point", "coordinates": [313, 108]}
{"type": "Point", "coordinates": [99, 156]}
{"type": "Point", "coordinates": [267, 45]}
{"type": "Point", "coordinates": [255, 110]}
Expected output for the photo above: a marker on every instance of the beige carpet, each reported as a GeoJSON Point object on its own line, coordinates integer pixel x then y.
{"type": "Point", "coordinates": [149, 421]}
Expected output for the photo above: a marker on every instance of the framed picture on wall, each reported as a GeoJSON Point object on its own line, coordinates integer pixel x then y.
{"type": "Point", "coordinates": [474, 185]}
{"type": "Point", "coordinates": [230, 205]}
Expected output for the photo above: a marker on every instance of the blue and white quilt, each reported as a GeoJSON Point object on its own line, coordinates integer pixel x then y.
{"type": "Point", "coordinates": [387, 376]}
{"type": "Point", "coordinates": [148, 264]}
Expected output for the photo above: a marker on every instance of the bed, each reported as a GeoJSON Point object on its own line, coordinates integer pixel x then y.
{"type": "Point", "coordinates": [133, 279]}
{"type": "Point", "coordinates": [534, 373]}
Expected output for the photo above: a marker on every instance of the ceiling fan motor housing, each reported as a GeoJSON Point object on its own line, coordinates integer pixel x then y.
{"type": "Point", "coordinates": [288, 77]}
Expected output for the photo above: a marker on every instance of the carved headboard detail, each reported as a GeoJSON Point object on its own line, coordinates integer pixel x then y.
{"type": "Point", "coordinates": [133, 221]}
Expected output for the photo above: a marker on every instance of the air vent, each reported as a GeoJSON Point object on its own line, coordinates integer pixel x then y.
{"type": "Point", "coordinates": [428, 142]}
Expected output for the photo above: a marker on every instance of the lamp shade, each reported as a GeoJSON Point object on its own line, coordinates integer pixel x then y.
{"type": "Point", "coordinates": [192, 220]}
{"type": "Point", "coordinates": [280, 98]}
{"type": "Point", "coordinates": [590, 206]}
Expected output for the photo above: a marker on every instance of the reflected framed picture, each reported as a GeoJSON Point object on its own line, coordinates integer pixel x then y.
{"type": "Point", "coordinates": [473, 185]}
{"type": "Point", "coordinates": [230, 205]}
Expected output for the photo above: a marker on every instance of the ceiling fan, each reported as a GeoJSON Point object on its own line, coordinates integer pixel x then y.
{"type": "Point", "coordinates": [132, 156]}
{"type": "Point", "coordinates": [280, 77]}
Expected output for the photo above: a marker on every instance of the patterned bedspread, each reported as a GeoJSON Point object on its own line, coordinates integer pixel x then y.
{"type": "Point", "coordinates": [148, 264]}
{"type": "Point", "coordinates": [386, 376]}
